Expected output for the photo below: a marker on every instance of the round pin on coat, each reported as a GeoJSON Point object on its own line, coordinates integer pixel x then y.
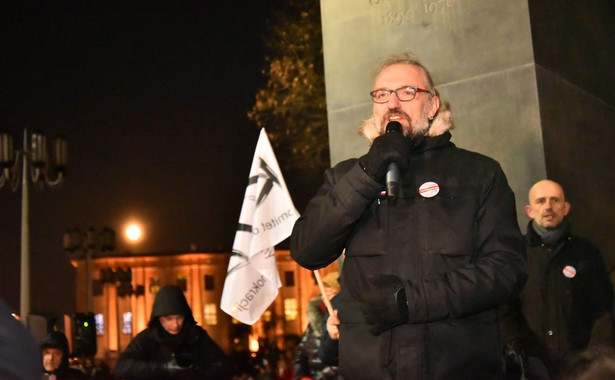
{"type": "Point", "coordinates": [429, 189]}
{"type": "Point", "coordinates": [569, 271]}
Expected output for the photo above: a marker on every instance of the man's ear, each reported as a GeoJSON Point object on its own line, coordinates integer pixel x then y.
{"type": "Point", "coordinates": [435, 105]}
{"type": "Point", "coordinates": [567, 210]}
{"type": "Point", "coordinates": [528, 211]}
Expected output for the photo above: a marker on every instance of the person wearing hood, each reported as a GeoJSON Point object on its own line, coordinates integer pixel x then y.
{"type": "Point", "coordinates": [173, 346]}
{"type": "Point", "coordinates": [54, 348]}
{"type": "Point", "coordinates": [566, 305]}
{"type": "Point", "coordinates": [426, 262]}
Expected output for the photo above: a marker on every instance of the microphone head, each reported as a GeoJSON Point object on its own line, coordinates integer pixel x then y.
{"type": "Point", "coordinates": [393, 126]}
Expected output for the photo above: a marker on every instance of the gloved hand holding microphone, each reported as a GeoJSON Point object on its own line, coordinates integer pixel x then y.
{"type": "Point", "coordinates": [389, 147]}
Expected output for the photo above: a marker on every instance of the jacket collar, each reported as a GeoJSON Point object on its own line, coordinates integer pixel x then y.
{"type": "Point", "coordinates": [427, 143]}
{"type": "Point", "coordinates": [533, 239]}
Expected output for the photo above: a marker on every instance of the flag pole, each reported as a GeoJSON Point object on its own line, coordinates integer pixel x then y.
{"type": "Point", "coordinates": [322, 291]}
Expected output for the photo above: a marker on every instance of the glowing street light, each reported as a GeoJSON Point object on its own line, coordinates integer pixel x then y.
{"type": "Point", "coordinates": [134, 233]}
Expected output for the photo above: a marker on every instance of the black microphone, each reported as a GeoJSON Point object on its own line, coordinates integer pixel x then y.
{"type": "Point", "coordinates": [392, 177]}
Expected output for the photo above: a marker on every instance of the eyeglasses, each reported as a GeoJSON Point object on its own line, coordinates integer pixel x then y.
{"type": "Point", "coordinates": [404, 94]}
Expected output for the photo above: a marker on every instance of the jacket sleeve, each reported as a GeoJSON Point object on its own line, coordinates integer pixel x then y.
{"type": "Point", "coordinates": [133, 362]}
{"type": "Point", "coordinates": [320, 234]}
{"type": "Point", "coordinates": [497, 271]}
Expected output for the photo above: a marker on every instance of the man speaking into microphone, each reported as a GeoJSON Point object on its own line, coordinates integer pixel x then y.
{"type": "Point", "coordinates": [425, 269]}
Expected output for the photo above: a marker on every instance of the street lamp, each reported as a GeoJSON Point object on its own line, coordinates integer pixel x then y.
{"type": "Point", "coordinates": [43, 166]}
{"type": "Point", "coordinates": [76, 242]}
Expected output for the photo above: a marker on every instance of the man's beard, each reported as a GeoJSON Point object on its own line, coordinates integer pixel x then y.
{"type": "Point", "coordinates": [417, 128]}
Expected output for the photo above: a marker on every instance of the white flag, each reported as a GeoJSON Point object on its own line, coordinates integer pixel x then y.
{"type": "Point", "coordinates": [267, 218]}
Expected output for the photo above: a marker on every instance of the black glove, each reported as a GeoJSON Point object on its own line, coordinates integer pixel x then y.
{"type": "Point", "coordinates": [386, 148]}
{"type": "Point", "coordinates": [173, 371]}
{"type": "Point", "coordinates": [184, 359]}
{"type": "Point", "coordinates": [384, 303]}
{"type": "Point", "coordinates": [179, 365]}
{"type": "Point", "coordinates": [171, 365]}
{"type": "Point", "coordinates": [515, 357]}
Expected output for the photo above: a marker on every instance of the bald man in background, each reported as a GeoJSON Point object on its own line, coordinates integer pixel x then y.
{"type": "Point", "coordinates": [566, 305]}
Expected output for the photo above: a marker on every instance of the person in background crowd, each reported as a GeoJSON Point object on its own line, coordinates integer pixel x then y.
{"type": "Point", "coordinates": [283, 367]}
{"type": "Point", "coordinates": [54, 348]}
{"type": "Point", "coordinates": [20, 356]}
{"type": "Point", "coordinates": [427, 266]}
{"type": "Point", "coordinates": [308, 365]}
{"type": "Point", "coordinates": [173, 346]}
{"type": "Point", "coordinates": [328, 352]}
{"type": "Point", "coordinates": [566, 305]}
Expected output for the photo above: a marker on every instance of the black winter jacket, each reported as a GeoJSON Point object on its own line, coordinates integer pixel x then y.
{"type": "Point", "coordinates": [566, 305]}
{"type": "Point", "coordinates": [148, 355]}
{"type": "Point", "coordinates": [459, 253]}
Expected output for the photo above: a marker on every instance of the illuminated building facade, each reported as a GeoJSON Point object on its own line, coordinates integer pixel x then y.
{"type": "Point", "coordinates": [125, 286]}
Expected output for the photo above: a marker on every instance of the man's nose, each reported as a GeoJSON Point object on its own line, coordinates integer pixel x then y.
{"type": "Point", "coordinates": [393, 101]}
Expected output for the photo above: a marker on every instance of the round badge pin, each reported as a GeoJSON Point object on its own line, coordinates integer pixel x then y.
{"type": "Point", "coordinates": [429, 189]}
{"type": "Point", "coordinates": [569, 271]}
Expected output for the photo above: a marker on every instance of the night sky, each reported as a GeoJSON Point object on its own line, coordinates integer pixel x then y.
{"type": "Point", "coordinates": [152, 100]}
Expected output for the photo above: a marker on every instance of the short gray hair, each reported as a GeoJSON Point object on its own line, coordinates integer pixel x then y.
{"type": "Point", "coordinates": [406, 59]}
